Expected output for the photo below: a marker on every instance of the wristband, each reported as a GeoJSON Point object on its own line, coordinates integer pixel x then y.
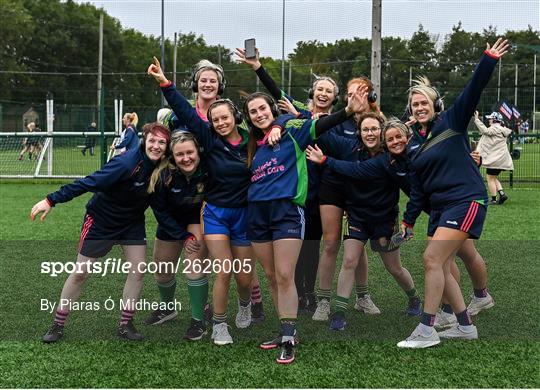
{"type": "Point", "coordinates": [407, 224]}
{"type": "Point", "coordinates": [323, 161]}
{"type": "Point", "coordinates": [494, 56]}
{"type": "Point", "coordinates": [165, 84]}
{"type": "Point", "coordinates": [49, 202]}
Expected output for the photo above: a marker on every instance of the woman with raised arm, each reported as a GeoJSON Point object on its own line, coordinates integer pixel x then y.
{"type": "Point", "coordinates": [177, 189]}
{"type": "Point", "coordinates": [114, 215]}
{"type": "Point", "coordinates": [277, 196]}
{"type": "Point", "coordinates": [443, 174]}
{"type": "Point", "coordinates": [224, 211]}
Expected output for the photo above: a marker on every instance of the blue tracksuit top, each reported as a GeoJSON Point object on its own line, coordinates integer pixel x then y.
{"type": "Point", "coordinates": [441, 170]}
{"type": "Point", "coordinates": [372, 184]}
{"type": "Point", "coordinates": [228, 173]}
{"type": "Point", "coordinates": [280, 171]}
{"type": "Point", "coordinates": [176, 196]}
{"type": "Point", "coordinates": [119, 187]}
{"type": "Point", "coordinates": [130, 140]}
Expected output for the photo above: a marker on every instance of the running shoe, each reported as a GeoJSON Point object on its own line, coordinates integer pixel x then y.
{"type": "Point", "coordinates": [129, 332]}
{"type": "Point", "coordinates": [220, 334]}
{"type": "Point", "coordinates": [243, 317]}
{"type": "Point", "coordinates": [366, 305]}
{"type": "Point", "coordinates": [322, 312]}
{"type": "Point", "coordinates": [418, 339]}
{"type": "Point", "coordinates": [54, 333]}
{"type": "Point", "coordinates": [337, 322]}
{"type": "Point", "coordinates": [460, 332]}
{"type": "Point", "coordinates": [196, 330]}
{"type": "Point", "coordinates": [479, 304]}
{"type": "Point", "coordinates": [415, 307]}
{"type": "Point", "coordinates": [160, 316]}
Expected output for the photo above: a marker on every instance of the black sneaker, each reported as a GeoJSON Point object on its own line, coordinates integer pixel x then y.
{"type": "Point", "coordinates": [54, 333]}
{"type": "Point", "coordinates": [160, 316]}
{"type": "Point", "coordinates": [311, 303]}
{"type": "Point", "coordinates": [208, 313]}
{"type": "Point", "coordinates": [128, 332]}
{"type": "Point", "coordinates": [196, 331]}
{"type": "Point", "coordinates": [302, 305]}
{"type": "Point", "coordinates": [257, 313]}
{"type": "Point", "coordinates": [276, 341]}
{"type": "Point", "coordinates": [503, 198]}
{"type": "Point", "coordinates": [493, 202]}
{"type": "Point", "coordinates": [272, 344]}
{"type": "Point", "coordinates": [286, 355]}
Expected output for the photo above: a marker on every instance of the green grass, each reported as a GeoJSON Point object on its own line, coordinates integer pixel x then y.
{"type": "Point", "coordinates": [365, 355]}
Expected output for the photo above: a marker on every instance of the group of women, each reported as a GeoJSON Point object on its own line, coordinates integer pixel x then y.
{"type": "Point", "coordinates": [245, 170]}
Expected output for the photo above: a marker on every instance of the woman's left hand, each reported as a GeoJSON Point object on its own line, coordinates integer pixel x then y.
{"type": "Point", "coordinates": [275, 135]}
{"type": "Point", "coordinates": [191, 245]}
{"type": "Point", "coordinates": [499, 48]}
{"type": "Point", "coordinates": [286, 106]}
{"type": "Point", "coordinates": [358, 101]}
{"type": "Point", "coordinates": [315, 154]}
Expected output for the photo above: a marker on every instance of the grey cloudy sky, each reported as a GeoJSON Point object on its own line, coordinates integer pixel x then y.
{"type": "Point", "coordinates": [229, 22]}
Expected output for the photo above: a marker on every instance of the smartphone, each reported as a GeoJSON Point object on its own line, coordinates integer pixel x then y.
{"type": "Point", "coordinates": [249, 46]}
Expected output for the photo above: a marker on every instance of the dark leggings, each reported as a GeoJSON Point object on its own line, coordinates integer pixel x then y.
{"type": "Point", "coordinates": [308, 260]}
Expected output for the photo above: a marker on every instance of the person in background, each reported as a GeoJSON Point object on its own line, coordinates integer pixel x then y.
{"type": "Point", "coordinates": [496, 158]}
{"type": "Point", "coordinates": [89, 142]}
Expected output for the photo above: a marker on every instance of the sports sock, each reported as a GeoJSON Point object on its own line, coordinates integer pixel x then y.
{"type": "Point", "coordinates": [324, 294]}
{"type": "Point", "coordinates": [447, 308]}
{"type": "Point", "coordinates": [362, 291]}
{"type": "Point", "coordinates": [427, 319]}
{"type": "Point", "coordinates": [126, 316]}
{"type": "Point", "coordinates": [288, 326]}
{"type": "Point", "coordinates": [480, 292]}
{"type": "Point", "coordinates": [60, 317]}
{"type": "Point", "coordinates": [166, 290]}
{"type": "Point", "coordinates": [464, 318]}
{"type": "Point", "coordinates": [340, 304]}
{"type": "Point", "coordinates": [412, 293]}
{"type": "Point", "coordinates": [219, 318]}
{"type": "Point", "coordinates": [494, 198]}
{"type": "Point", "coordinates": [198, 295]}
{"type": "Point", "coordinates": [256, 296]}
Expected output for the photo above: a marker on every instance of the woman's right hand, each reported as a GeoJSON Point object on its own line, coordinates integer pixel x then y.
{"type": "Point", "coordinates": [253, 62]}
{"type": "Point", "coordinates": [42, 206]}
{"type": "Point", "coordinates": [476, 115]}
{"type": "Point", "coordinates": [155, 71]}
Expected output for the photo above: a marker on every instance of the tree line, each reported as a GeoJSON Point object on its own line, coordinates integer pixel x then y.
{"type": "Point", "coordinates": [50, 47]}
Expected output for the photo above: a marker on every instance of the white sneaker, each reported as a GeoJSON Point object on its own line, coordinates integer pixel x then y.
{"type": "Point", "coordinates": [460, 332]}
{"type": "Point", "coordinates": [479, 304]}
{"type": "Point", "coordinates": [322, 312]}
{"type": "Point", "coordinates": [366, 305]}
{"type": "Point", "coordinates": [220, 334]}
{"type": "Point", "coordinates": [243, 317]}
{"type": "Point", "coordinates": [444, 319]}
{"type": "Point", "coordinates": [418, 340]}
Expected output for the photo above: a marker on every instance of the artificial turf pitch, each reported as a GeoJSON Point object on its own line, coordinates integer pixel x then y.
{"type": "Point", "coordinates": [506, 354]}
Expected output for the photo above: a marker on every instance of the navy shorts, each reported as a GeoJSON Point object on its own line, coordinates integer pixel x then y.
{"type": "Point", "coordinates": [332, 195]}
{"type": "Point", "coordinates": [467, 216]}
{"type": "Point", "coordinates": [230, 221]}
{"type": "Point", "coordinates": [193, 217]}
{"type": "Point", "coordinates": [98, 238]}
{"type": "Point", "coordinates": [374, 232]}
{"type": "Point", "coordinates": [274, 220]}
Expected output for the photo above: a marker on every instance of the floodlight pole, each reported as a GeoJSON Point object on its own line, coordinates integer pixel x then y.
{"type": "Point", "coordinates": [162, 44]}
{"type": "Point", "coordinates": [376, 16]}
{"type": "Point", "coordinates": [283, 48]}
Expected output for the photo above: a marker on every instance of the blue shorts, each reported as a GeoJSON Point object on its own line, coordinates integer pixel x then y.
{"type": "Point", "coordinates": [363, 231]}
{"type": "Point", "coordinates": [467, 216]}
{"type": "Point", "coordinates": [97, 237]}
{"type": "Point", "coordinates": [230, 221]}
{"type": "Point", "coordinates": [192, 217]}
{"type": "Point", "coordinates": [274, 220]}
